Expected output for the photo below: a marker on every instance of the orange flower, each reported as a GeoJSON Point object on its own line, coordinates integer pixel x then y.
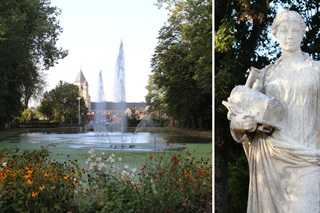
{"type": "Point", "coordinates": [46, 174]}
{"type": "Point", "coordinates": [30, 182]}
{"type": "Point", "coordinates": [66, 177]}
{"type": "Point", "coordinates": [3, 175]}
{"type": "Point", "coordinates": [82, 171]}
{"type": "Point", "coordinates": [11, 183]}
{"type": "Point", "coordinates": [13, 174]}
{"type": "Point", "coordinates": [27, 176]}
{"type": "Point", "coordinates": [75, 183]}
{"type": "Point", "coordinates": [34, 194]}
{"type": "Point", "coordinates": [42, 187]}
{"type": "Point", "coordinates": [188, 174]}
{"type": "Point", "coordinates": [85, 190]}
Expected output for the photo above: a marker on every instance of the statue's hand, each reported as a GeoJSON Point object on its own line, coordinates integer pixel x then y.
{"type": "Point", "coordinates": [243, 122]}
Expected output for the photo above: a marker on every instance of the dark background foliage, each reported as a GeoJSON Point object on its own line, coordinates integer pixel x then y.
{"type": "Point", "coordinates": [242, 40]}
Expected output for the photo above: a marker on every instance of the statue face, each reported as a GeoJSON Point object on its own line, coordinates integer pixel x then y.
{"type": "Point", "coordinates": [289, 36]}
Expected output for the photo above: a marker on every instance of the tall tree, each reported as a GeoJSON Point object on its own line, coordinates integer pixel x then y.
{"type": "Point", "coordinates": [182, 63]}
{"type": "Point", "coordinates": [28, 34]}
{"type": "Point", "coordinates": [33, 84]}
{"type": "Point", "coordinates": [240, 26]}
{"type": "Point", "coordinates": [155, 97]}
{"type": "Point", "coordinates": [62, 104]}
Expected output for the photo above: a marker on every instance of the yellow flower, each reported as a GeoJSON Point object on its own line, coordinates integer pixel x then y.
{"type": "Point", "coordinates": [34, 194]}
{"type": "Point", "coordinates": [46, 174]}
{"type": "Point", "coordinates": [29, 171]}
{"type": "Point", "coordinates": [11, 183]}
{"type": "Point", "coordinates": [42, 187]}
{"type": "Point", "coordinates": [30, 182]}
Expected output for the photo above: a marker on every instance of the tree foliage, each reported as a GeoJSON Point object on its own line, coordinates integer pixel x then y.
{"type": "Point", "coordinates": [181, 79]}
{"type": "Point", "coordinates": [29, 31]}
{"type": "Point", "coordinates": [62, 104]}
{"type": "Point", "coordinates": [243, 39]}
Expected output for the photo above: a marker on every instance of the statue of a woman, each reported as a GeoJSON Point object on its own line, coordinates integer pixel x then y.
{"type": "Point", "coordinates": [276, 116]}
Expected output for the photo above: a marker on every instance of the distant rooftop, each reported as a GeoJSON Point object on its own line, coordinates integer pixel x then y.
{"type": "Point", "coordinates": [113, 106]}
{"type": "Point", "coordinates": [80, 78]}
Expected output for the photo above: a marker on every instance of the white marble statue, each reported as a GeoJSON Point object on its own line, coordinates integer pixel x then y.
{"type": "Point", "coordinates": [276, 116]}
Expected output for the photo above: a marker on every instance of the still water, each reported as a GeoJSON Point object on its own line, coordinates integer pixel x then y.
{"type": "Point", "coordinates": [134, 149]}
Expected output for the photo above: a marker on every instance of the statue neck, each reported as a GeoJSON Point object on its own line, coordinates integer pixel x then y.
{"type": "Point", "coordinates": [292, 57]}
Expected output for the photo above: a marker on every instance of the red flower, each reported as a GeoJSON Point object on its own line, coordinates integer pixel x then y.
{"type": "Point", "coordinates": [172, 169]}
{"type": "Point", "coordinates": [188, 153]}
{"type": "Point", "coordinates": [135, 186]}
{"type": "Point", "coordinates": [175, 159]}
{"type": "Point", "coordinates": [168, 209]}
{"type": "Point", "coordinates": [208, 159]}
{"type": "Point", "coordinates": [170, 184]}
{"type": "Point", "coordinates": [150, 157]}
{"type": "Point", "coordinates": [128, 181]}
{"type": "Point", "coordinates": [143, 168]}
{"type": "Point", "coordinates": [2, 156]}
{"type": "Point", "coordinates": [140, 180]}
{"type": "Point", "coordinates": [189, 181]}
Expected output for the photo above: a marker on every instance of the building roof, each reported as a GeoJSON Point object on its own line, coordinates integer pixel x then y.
{"type": "Point", "coordinates": [80, 78]}
{"type": "Point", "coordinates": [115, 106]}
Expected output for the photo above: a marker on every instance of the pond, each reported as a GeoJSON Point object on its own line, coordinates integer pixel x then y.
{"type": "Point", "coordinates": [133, 149]}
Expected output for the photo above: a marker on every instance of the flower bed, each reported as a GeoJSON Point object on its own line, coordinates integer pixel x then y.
{"type": "Point", "coordinates": [168, 182]}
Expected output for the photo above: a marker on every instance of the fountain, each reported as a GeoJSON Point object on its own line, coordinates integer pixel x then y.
{"type": "Point", "coordinates": [103, 124]}
{"type": "Point", "coordinates": [100, 88]}
{"type": "Point", "coordinates": [119, 92]}
{"type": "Point", "coordinates": [112, 129]}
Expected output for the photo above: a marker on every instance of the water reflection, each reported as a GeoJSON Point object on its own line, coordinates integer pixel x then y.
{"type": "Point", "coordinates": [144, 141]}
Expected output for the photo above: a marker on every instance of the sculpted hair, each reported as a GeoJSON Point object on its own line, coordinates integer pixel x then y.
{"type": "Point", "coordinates": [287, 16]}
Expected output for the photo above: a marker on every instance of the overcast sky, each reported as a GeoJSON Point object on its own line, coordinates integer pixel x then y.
{"type": "Point", "coordinates": [92, 32]}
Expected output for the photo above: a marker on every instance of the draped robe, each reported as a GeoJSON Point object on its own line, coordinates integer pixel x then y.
{"type": "Point", "coordinates": [285, 166]}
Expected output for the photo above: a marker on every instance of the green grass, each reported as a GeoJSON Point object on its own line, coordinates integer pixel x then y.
{"type": "Point", "coordinates": [63, 152]}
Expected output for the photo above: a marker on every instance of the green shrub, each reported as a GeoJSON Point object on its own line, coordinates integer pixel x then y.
{"type": "Point", "coordinates": [167, 182]}
{"type": "Point", "coordinates": [31, 182]}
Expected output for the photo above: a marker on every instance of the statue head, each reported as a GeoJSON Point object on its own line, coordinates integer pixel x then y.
{"type": "Point", "coordinates": [287, 16]}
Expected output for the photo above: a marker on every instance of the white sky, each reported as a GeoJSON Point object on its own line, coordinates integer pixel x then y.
{"type": "Point", "coordinates": [92, 32]}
